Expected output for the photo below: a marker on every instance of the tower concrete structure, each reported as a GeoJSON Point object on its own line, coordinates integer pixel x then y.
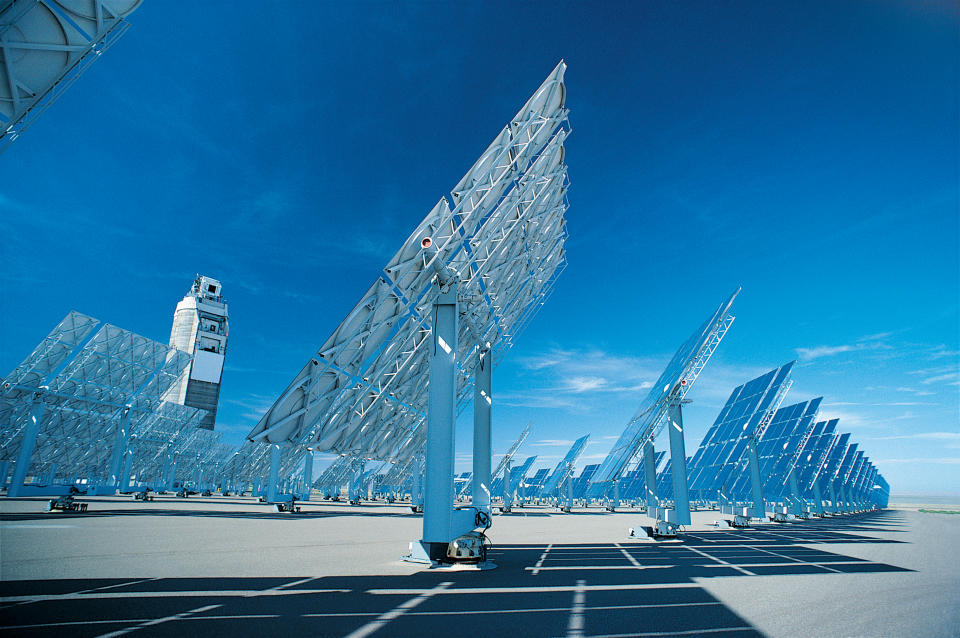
{"type": "Point", "coordinates": [200, 328]}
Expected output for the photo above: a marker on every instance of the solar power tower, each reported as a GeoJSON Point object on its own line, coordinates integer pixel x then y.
{"type": "Point", "coordinates": [662, 405]}
{"type": "Point", "coordinates": [732, 440]}
{"type": "Point", "coordinates": [200, 327]}
{"type": "Point", "coordinates": [84, 402]}
{"type": "Point", "coordinates": [390, 380]}
{"type": "Point", "coordinates": [45, 45]}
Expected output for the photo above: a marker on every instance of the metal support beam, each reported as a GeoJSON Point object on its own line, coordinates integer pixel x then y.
{"type": "Point", "coordinates": [441, 418]}
{"type": "Point", "coordinates": [650, 478]}
{"type": "Point", "coordinates": [678, 461]}
{"type": "Point", "coordinates": [818, 498]}
{"type": "Point", "coordinates": [119, 448]}
{"type": "Point", "coordinates": [482, 406]}
{"type": "Point", "coordinates": [274, 476]}
{"type": "Point", "coordinates": [27, 444]}
{"type": "Point", "coordinates": [4, 471]}
{"type": "Point", "coordinates": [307, 475]}
{"type": "Point", "coordinates": [756, 481]}
{"type": "Point", "coordinates": [172, 477]}
{"type": "Point", "coordinates": [507, 488]}
{"type": "Point", "coordinates": [795, 500]}
{"type": "Point", "coordinates": [416, 486]}
{"type": "Point", "coordinates": [353, 485]}
{"type": "Point", "coordinates": [124, 484]}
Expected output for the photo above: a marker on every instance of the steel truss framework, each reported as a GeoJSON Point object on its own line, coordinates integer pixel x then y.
{"type": "Point", "coordinates": [45, 45]}
{"type": "Point", "coordinates": [508, 489]}
{"type": "Point", "coordinates": [780, 446]}
{"type": "Point", "coordinates": [564, 470]}
{"type": "Point", "coordinates": [502, 235]}
{"type": "Point", "coordinates": [742, 420]}
{"type": "Point", "coordinates": [89, 403]}
{"type": "Point", "coordinates": [673, 384]}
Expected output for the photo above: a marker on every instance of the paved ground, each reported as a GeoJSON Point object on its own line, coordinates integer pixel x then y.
{"type": "Point", "coordinates": [229, 566]}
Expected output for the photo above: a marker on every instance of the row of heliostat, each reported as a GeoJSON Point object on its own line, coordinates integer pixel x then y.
{"type": "Point", "coordinates": [100, 393]}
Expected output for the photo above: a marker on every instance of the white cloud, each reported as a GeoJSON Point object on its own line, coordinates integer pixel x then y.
{"type": "Point", "coordinates": [948, 377]}
{"type": "Point", "coordinates": [931, 436]}
{"type": "Point", "coordinates": [809, 354]}
{"type": "Point", "coordinates": [868, 342]}
{"type": "Point", "coordinates": [941, 351]}
{"type": "Point", "coordinates": [553, 443]}
{"type": "Point", "coordinates": [876, 337]}
{"type": "Point", "coordinates": [585, 384]}
{"type": "Point", "coordinates": [950, 460]}
{"type": "Point", "coordinates": [588, 458]}
{"type": "Point", "coordinates": [254, 406]}
{"type": "Point", "coordinates": [919, 393]}
{"type": "Point", "coordinates": [575, 379]}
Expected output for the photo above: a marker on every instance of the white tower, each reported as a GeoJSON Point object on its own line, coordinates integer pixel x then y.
{"type": "Point", "coordinates": [200, 328]}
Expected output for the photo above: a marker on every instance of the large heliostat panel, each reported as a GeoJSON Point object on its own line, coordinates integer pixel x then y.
{"type": "Point", "coordinates": [682, 370]}
{"type": "Point", "coordinates": [565, 466]}
{"type": "Point", "coordinates": [722, 449]}
{"type": "Point", "coordinates": [814, 454]}
{"type": "Point", "coordinates": [44, 47]}
{"type": "Point", "coordinates": [779, 448]}
{"type": "Point", "coordinates": [502, 232]}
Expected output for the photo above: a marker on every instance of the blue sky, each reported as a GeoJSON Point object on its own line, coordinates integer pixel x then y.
{"type": "Point", "coordinates": [806, 152]}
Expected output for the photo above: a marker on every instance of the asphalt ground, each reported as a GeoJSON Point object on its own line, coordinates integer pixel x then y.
{"type": "Point", "coordinates": [231, 566]}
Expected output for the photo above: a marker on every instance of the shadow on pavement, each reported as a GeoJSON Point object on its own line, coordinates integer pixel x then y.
{"type": "Point", "coordinates": [602, 589]}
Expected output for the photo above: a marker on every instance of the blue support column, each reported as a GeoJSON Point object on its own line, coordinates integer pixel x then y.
{"type": "Point", "coordinates": [678, 461]}
{"type": "Point", "coordinates": [796, 501]}
{"type": "Point", "coordinates": [164, 473]}
{"type": "Point", "coordinates": [441, 417]}
{"type": "Point", "coordinates": [124, 485]}
{"type": "Point", "coordinates": [507, 488]}
{"type": "Point", "coordinates": [353, 486]}
{"type": "Point", "coordinates": [818, 496]}
{"type": "Point", "coordinates": [274, 476]}
{"type": "Point", "coordinates": [416, 481]}
{"type": "Point", "coordinates": [834, 506]}
{"type": "Point", "coordinates": [172, 477]}
{"type": "Point", "coordinates": [307, 476]}
{"type": "Point", "coordinates": [756, 481]}
{"type": "Point", "coordinates": [4, 472]}
{"type": "Point", "coordinates": [482, 406]}
{"type": "Point", "coordinates": [650, 478]}
{"type": "Point", "coordinates": [27, 444]}
{"type": "Point", "coordinates": [119, 448]}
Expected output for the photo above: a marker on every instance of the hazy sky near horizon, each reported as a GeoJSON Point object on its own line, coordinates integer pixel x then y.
{"type": "Point", "coordinates": [806, 152]}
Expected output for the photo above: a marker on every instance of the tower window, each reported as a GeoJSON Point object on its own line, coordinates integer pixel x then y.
{"type": "Point", "coordinates": [211, 288]}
